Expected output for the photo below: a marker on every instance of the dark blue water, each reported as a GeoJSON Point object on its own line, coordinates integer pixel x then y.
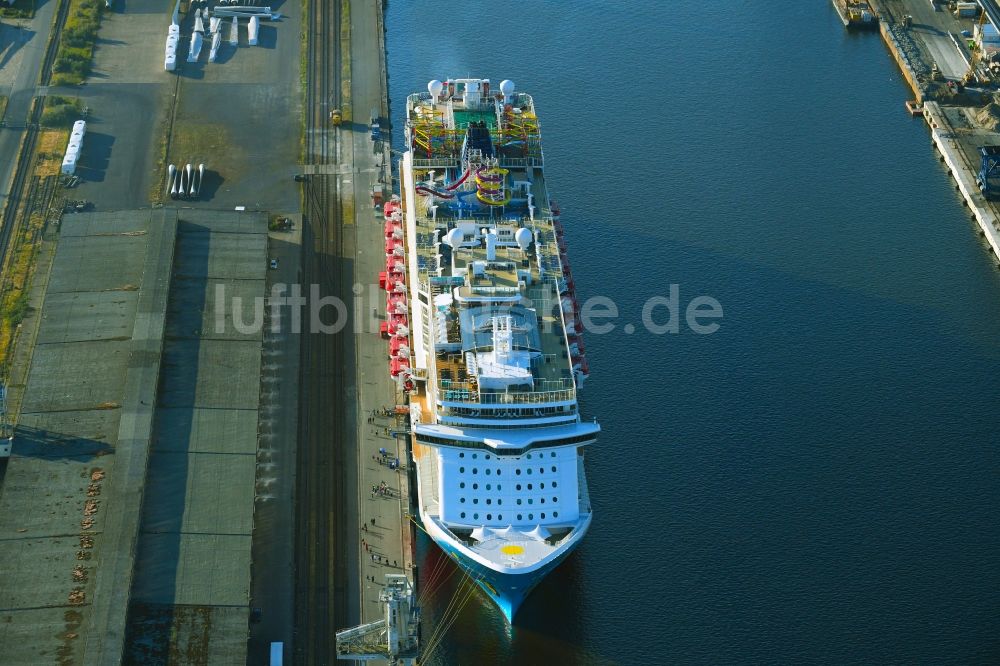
{"type": "Point", "coordinates": [819, 480]}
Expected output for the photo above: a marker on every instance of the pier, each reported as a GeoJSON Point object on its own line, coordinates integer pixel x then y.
{"type": "Point", "coordinates": [925, 41]}
{"type": "Point", "coordinates": [352, 525]}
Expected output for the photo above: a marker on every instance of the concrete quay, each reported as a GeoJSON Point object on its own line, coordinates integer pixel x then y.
{"type": "Point", "coordinates": [951, 118]}
{"type": "Point", "coordinates": [964, 171]}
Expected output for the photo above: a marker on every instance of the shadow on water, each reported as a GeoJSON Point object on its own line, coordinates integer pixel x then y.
{"type": "Point", "coordinates": [480, 634]}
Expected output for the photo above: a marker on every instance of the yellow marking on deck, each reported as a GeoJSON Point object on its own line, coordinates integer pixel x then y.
{"type": "Point", "coordinates": [511, 549]}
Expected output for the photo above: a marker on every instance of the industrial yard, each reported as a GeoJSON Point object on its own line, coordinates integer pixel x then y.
{"type": "Point", "coordinates": [178, 491]}
{"type": "Point", "coordinates": [949, 54]}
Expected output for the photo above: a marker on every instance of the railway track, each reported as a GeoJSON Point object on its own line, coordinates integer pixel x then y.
{"type": "Point", "coordinates": [28, 193]}
{"type": "Point", "coordinates": [23, 183]}
{"type": "Point", "coordinates": [320, 578]}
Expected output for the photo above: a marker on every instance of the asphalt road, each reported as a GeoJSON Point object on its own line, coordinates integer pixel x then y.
{"type": "Point", "coordinates": [22, 49]}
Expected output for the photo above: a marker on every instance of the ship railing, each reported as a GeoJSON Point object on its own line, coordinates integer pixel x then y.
{"type": "Point", "coordinates": [453, 393]}
{"type": "Point", "coordinates": [434, 162]}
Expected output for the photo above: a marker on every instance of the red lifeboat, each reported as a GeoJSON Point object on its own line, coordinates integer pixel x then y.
{"type": "Point", "coordinates": [398, 365]}
{"type": "Point", "coordinates": [390, 207]}
{"type": "Point", "coordinates": [399, 347]}
{"type": "Point", "coordinates": [383, 330]}
{"type": "Point", "coordinates": [393, 230]}
{"type": "Point", "coordinates": [396, 321]}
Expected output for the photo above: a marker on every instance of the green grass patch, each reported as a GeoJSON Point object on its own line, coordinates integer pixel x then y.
{"type": "Point", "coordinates": [20, 9]}
{"type": "Point", "coordinates": [76, 44]}
{"type": "Point", "coordinates": [61, 111]}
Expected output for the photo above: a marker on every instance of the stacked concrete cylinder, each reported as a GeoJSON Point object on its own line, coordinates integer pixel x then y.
{"type": "Point", "coordinates": [170, 57]}
{"type": "Point", "coordinates": [73, 148]}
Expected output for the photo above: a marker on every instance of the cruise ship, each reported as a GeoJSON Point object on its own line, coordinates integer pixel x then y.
{"type": "Point", "coordinates": [485, 336]}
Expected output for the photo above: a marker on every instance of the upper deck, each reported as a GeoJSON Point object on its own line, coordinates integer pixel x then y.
{"type": "Point", "coordinates": [496, 322]}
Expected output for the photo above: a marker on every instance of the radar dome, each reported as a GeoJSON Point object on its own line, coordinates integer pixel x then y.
{"type": "Point", "coordinates": [454, 237]}
{"type": "Point", "coordinates": [434, 88]}
{"type": "Point", "coordinates": [523, 238]}
{"type": "Point", "coordinates": [507, 87]}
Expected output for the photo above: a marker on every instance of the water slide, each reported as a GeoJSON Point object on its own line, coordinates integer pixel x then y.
{"type": "Point", "coordinates": [444, 195]}
{"type": "Point", "coordinates": [461, 180]}
{"type": "Point", "coordinates": [420, 189]}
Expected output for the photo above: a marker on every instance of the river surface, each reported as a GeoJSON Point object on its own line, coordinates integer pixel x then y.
{"type": "Point", "coordinates": [818, 481]}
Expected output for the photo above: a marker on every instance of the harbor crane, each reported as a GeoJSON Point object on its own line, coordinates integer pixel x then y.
{"type": "Point", "coordinates": [393, 639]}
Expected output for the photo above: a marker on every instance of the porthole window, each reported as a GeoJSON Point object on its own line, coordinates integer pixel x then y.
{"type": "Point", "coordinates": [475, 486]}
{"type": "Point", "coordinates": [499, 516]}
{"type": "Point", "coordinates": [519, 501]}
{"type": "Point", "coordinates": [553, 454]}
{"type": "Point", "coordinates": [531, 516]}
{"type": "Point", "coordinates": [461, 470]}
{"type": "Point", "coordinates": [542, 486]}
{"type": "Point", "coordinates": [520, 516]}
{"type": "Point", "coordinates": [462, 500]}
{"type": "Point", "coordinates": [498, 471]}
{"type": "Point", "coordinates": [555, 499]}
{"type": "Point", "coordinates": [555, 483]}
{"type": "Point", "coordinates": [488, 471]}
{"type": "Point", "coordinates": [475, 516]}
{"type": "Point", "coordinates": [462, 484]}
{"type": "Point", "coordinates": [489, 516]}
{"type": "Point", "coordinates": [499, 487]}
{"type": "Point", "coordinates": [529, 470]}
{"type": "Point", "coordinates": [541, 470]}
{"type": "Point", "coordinates": [529, 486]}
{"type": "Point", "coordinates": [543, 516]}
{"type": "Point", "coordinates": [461, 455]}
{"type": "Point", "coordinates": [531, 501]}
{"type": "Point", "coordinates": [543, 500]}
{"type": "Point", "coordinates": [474, 456]}
{"type": "Point", "coordinates": [555, 514]}
{"type": "Point", "coordinates": [529, 456]}
{"type": "Point", "coordinates": [463, 514]}
{"type": "Point", "coordinates": [487, 486]}
{"type": "Point", "coordinates": [475, 470]}
{"type": "Point", "coordinates": [553, 469]}
{"type": "Point", "coordinates": [518, 486]}
{"type": "Point", "coordinates": [475, 500]}
{"type": "Point", "coordinates": [489, 501]}
{"type": "Point", "coordinates": [499, 501]}
{"type": "Point", "coordinates": [518, 471]}
{"type": "Point", "coordinates": [487, 456]}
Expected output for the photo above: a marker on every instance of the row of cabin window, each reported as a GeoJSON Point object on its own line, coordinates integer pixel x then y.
{"type": "Point", "coordinates": [517, 471]}
{"type": "Point", "coordinates": [531, 516]}
{"type": "Point", "coordinates": [489, 486]}
{"type": "Point", "coordinates": [531, 500]}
